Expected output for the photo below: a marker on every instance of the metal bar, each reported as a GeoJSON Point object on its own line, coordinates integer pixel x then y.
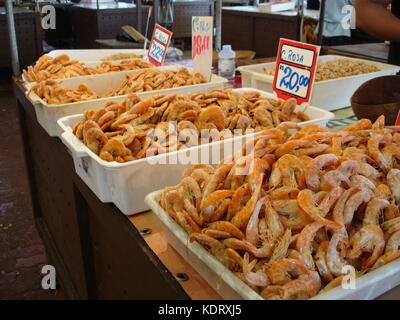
{"type": "Point", "coordinates": [321, 21]}
{"type": "Point", "coordinates": [139, 15]}
{"type": "Point", "coordinates": [13, 38]}
{"type": "Point", "coordinates": [218, 24]}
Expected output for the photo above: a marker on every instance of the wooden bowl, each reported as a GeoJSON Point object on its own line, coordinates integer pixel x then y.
{"type": "Point", "coordinates": [376, 97]}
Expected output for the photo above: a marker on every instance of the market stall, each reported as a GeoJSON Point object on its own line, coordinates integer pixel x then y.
{"type": "Point", "coordinates": [28, 32]}
{"type": "Point", "coordinates": [93, 215]}
{"type": "Point", "coordinates": [251, 28]}
{"type": "Point", "coordinates": [103, 22]}
{"type": "Point", "coordinates": [98, 251]}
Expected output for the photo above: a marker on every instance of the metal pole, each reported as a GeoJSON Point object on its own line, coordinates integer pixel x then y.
{"type": "Point", "coordinates": [218, 24]}
{"type": "Point", "coordinates": [13, 38]}
{"type": "Point", "coordinates": [139, 15]}
{"type": "Point", "coordinates": [321, 21]}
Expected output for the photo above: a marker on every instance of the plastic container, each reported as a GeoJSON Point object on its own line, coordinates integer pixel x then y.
{"type": "Point", "coordinates": [95, 55]}
{"type": "Point", "coordinates": [329, 94]}
{"type": "Point", "coordinates": [226, 62]}
{"type": "Point", "coordinates": [229, 286]}
{"type": "Point", "coordinates": [48, 114]}
{"type": "Point", "coordinates": [88, 64]}
{"type": "Point", "coordinates": [277, 7]}
{"type": "Point", "coordinates": [126, 184]}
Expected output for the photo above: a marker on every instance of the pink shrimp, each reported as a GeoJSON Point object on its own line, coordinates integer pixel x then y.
{"type": "Point", "coordinates": [333, 257]}
{"type": "Point", "coordinates": [306, 202]}
{"type": "Point", "coordinates": [369, 239]}
{"type": "Point", "coordinates": [374, 211]}
{"type": "Point", "coordinates": [304, 243]}
{"type": "Point", "coordinates": [314, 168]}
{"type": "Point", "coordinates": [258, 278]}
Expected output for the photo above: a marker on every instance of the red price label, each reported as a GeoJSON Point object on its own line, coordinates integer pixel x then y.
{"type": "Point", "coordinates": [159, 45]}
{"type": "Point", "coordinates": [201, 43]}
{"type": "Point", "coordinates": [398, 119]}
{"type": "Point", "coordinates": [295, 70]}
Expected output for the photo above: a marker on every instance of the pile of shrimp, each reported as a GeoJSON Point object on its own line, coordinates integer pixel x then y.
{"type": "Point", "coordinates": [339, 68]}
{"type": "Point", "coordinates": [290, 217]}
{"type": "Point", "coordinates": [54, 92]}
{"type": "Point", "coordinates": [62, 67]}
{"type": "Point", "coordinates": [122, 56]}
{"type": "Point", "coordinates": [164, 123]}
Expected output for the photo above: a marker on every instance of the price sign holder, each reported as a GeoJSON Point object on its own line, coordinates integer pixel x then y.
{"type": "Point", "coordinates": [202, 45]}
{"type": "Point", "coordinates": [295, 70]}
{"type": "Point", "coordinates": [159, 45]}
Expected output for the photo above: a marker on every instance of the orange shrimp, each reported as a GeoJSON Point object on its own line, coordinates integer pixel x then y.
{"type": "Point", "coordinates": [333, 257]}
{"type": "Point", "coordinates": [374, 210]}
{"type": "Point", "coordinates": [304, 287]}
{"type": "Point", "coordinates": [393, 180]}
{"type": "Point", "coordinates": [258, 278]}
{"type": "Point", "coordinates": [304, 243]}
{"type": "Point", "coordinates": [242, 217]}
{"type": "Point", "coordinates": [369, 239]}
{"type": "Point", "coordinates": [285, 270]}
{"type": "Point", "coordinates": [211, 203]}
{"type": "Point", "coordinates": [314, 168]}
{"type": "Point", "coordinates": [191, 194]}
{"type": "Point", "coordinates": [306, 202]}
{"type": "Point", "coordinates": [321, 261]}
{"type": "Point", "coordinates": [226, 226]}
{"type": "Point", "coordinates": [338, 210]}
{"type": "Point", "coordinates": [292, 171]}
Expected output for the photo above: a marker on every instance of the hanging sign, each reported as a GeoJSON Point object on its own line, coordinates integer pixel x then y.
{"type": "Point", "coordinates": [159, 45]}
{"type": "Point", "coordinates": [296, 64]}
{"type": "Point", "coordinates": [202, 45]}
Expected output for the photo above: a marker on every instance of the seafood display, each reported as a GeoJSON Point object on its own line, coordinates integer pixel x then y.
{"type": "Point", "coordinates": [137, 128]}
{"type": "Point", "coordinates": [62, 67]}
{"type": "Point", "coordinates": [338, 68]}
{"type": "Point", "coordinates": [52, 92]}
{"type": "Point", "coordinates": [298, 207]}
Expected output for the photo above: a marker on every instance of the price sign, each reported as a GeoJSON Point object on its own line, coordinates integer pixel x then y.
{"type": "Point", "coordinates": [158, 45]}
{"type": "Point", "coordinates": [202, 45]}
{"type": "Point", "coordinates": [295, 70]}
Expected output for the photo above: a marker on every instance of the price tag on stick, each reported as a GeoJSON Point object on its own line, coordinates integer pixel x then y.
{"type": "Point", "coordinates": [202, 45]}
{"type": "Point", "coordinates": [296, 64]}
{"type": "Point", "coordinates": [159, 45]}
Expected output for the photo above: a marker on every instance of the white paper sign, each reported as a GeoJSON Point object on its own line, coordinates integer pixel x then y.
{"type": "Point", "coordinates": [202, 45]}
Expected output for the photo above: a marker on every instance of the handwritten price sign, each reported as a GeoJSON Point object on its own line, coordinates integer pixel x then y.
{"type": "Point", "coordinates": [295, 70]}
{"type": "Point", "coordinates": [158, 45]}
{"type": "Point", "coordinates": [202, 45]}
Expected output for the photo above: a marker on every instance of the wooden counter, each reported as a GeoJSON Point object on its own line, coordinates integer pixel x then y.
{"type": "Point", "coordinates": [29, 40]}
{"type": "Point", "coordinates": [247, 28]}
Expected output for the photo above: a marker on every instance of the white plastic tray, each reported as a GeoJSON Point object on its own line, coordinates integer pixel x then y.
{"type": "Point", "coordinates": [88, 64]}
{"type": "Point", "coordinates": [229, 286]}
{"type": "Point", "coordinates": [48, 114]}
{"type": "Point", "coordinates": [126, 184]}
{"type": "Point", "coordinates": [277, 7]}
{"type": "Point", "coordinates": [329, 94]}
{"type": "Point", "coordinates": [94, 54]}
